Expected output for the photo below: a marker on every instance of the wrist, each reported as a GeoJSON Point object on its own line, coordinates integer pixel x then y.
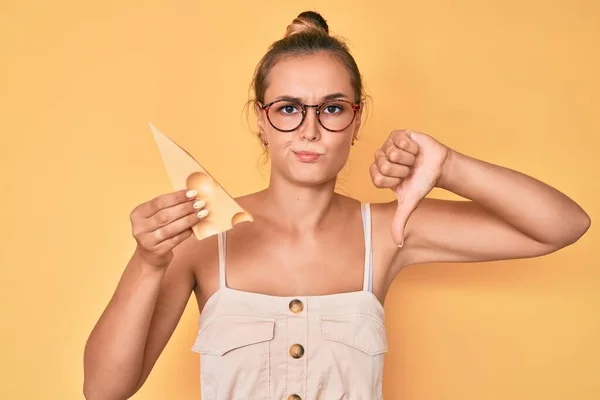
{"type": "Point", "coordinates": [148, 265]}
{"type": "Point", "coordinates": [448, 170]}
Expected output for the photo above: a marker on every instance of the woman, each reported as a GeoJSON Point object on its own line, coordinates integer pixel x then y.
{"type": "Point", "coordinates": [291, 304]}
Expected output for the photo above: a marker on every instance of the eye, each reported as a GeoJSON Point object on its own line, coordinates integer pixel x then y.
{"type": "Point", "coordinates": [288, 108]}
{"type": "Point", "coordinates": [334, 108]}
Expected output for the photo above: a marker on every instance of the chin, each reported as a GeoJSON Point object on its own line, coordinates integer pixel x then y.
{"type": "Point", "coordinates": [311, 175]}
{"type": "Point", "coordinates": [307, 173]}
{"type": "Point", "coordinates": [314, 180]}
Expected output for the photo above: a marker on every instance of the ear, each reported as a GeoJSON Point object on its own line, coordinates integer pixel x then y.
{"type": "Point", "coordinates": [358, 120]}
{"type": "Point", "coordinates": [260, 119]}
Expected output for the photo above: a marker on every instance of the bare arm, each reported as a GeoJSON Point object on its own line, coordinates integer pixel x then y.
{"type": "Point", "coordinates": [147, 304]}
{"type": "Point", "coordinates": [507, 215]}
{"type": "Point", "coordinates": [510, 215]}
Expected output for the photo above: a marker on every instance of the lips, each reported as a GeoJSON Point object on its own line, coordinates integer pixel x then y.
{"type": "Point", "coordinates": [307, 156]}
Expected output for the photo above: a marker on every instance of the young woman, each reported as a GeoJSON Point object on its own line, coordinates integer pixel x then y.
{"type": "Point", "coordinates": [291, 304]}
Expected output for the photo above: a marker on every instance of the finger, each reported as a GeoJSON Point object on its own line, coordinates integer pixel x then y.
{"type": "Point", "coordinates": [176, 227]}
{"type": "Point", "coordinates": [399, 156]}
{"type": "Point", "coordinates": [390, 169]}
{"type": "Point", "coordinates": [387, 146]}
{"type": "Point", "coordinates": [161, 202]}
{"type": "Point", "coordinates": [402, 140]}
{"type": "Point", "coordinates": [171, 243]}
{"type": "Point", "coordinates": [382, 181]}
{"type": "Point", "coordinates": [171, 214]}
{"type": "Point", "coordinates": [405, 208]}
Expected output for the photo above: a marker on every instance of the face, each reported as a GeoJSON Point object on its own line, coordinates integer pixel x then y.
{"type": "Point", "coordinates": [309, 154]}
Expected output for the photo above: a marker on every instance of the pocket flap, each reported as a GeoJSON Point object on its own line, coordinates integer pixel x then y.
{"type": "Point", "coordinates": [231, 332]}
{"type": "Point", "coordinates": [360, 331]}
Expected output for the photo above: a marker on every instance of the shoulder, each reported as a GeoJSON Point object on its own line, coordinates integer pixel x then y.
{"type": "Point", "coordinates": [251, 202]}
{"type": "Point", "coordinates": [426, 212]}
{"type": "Point", "coordinates": [382, 215]}
{"type": "Point", "coordinates": [423, 218]}
{"type": "Point", "coordinates": [383, 210]}
{"type": "Point", "coordinates": [196, 255]}
{"type": "Point", "coordinates": [347, 203]}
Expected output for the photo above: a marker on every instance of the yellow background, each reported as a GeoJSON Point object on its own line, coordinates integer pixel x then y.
{"type": "Point", "coordinates": [512, 82]}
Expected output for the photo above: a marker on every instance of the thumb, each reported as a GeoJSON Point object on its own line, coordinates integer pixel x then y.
{"type": "Point", "coordinates": [405, 207]}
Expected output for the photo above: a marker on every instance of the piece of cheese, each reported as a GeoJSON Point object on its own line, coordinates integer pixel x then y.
{"type": "Point", "coordinates": [186, 173]}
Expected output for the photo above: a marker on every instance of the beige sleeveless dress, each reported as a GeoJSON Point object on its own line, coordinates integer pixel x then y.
{"type": "Point", "coordinates": [257, 346]}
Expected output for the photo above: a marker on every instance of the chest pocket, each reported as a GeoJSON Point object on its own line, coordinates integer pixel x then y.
{"type": "Point", "coordinates": [235, 357]}
{"type": "Point", "coordinates": [360, 331]}
{"type": "Point", "coordinates": [361, 341]}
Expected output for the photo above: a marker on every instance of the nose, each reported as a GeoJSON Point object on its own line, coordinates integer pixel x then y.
{"type": "Point", "coordinates": [310, 130]}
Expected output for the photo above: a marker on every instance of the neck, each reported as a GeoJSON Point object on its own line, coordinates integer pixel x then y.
{"type": "Point", "coordinates": [299, 208]}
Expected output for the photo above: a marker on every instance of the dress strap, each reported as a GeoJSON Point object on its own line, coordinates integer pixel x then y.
{"type": "Point", "coordinates": [222, 245]}
{"type": "Point", "coordinates": [368, 269]}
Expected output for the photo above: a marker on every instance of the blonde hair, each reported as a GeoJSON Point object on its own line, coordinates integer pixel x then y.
{"type": "Point", "coordinates": [307, 34]}
{"type": "Point", "coordinates": [307, 22]}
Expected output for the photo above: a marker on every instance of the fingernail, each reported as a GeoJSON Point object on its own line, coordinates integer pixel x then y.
{"type": "Point", "coordinates": [401, 243]}
{"type": "Point", "coordinates": [202, 213]}
{"type": "Point", "coordinates": [199, 204]}
{"type": "Point", "coordinates": [191, 193]}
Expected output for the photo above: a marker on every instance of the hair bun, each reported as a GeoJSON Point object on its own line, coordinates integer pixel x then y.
{"type": "Point", "coordinates": [308, 22]}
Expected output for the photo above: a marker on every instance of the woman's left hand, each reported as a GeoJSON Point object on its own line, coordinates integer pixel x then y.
{"type": "Point", "coordinates": [411, 164]}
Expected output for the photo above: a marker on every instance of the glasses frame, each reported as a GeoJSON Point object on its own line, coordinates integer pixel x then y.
{"type": "Point", "coordinates": [267, 107]}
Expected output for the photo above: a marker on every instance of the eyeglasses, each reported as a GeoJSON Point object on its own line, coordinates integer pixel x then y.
{"type": "Point", "coordinates": [334, 115]}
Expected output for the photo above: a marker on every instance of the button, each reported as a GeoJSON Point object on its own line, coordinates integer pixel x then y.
{"type": "Point", "coordinates": [296, 351]}
{"type": "Point", "coordinates": [296, 306]}
{"type": "Point", "coordinates": [294, 397]}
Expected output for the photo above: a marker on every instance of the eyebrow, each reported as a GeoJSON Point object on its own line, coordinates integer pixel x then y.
{"type": "Point", "coordinates": [329, 97]}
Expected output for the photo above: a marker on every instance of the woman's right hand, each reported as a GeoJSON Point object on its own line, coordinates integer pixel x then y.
{"type": "Point", "coordinates": [162, 223]}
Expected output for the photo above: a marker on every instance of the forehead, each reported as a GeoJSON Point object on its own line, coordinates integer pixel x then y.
{"type": "Point", "coordinates": [309, 78]}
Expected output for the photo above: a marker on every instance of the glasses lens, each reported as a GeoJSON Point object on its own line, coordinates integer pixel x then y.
{"type": "Point", "coordinates": [336, 115]}
{"type": "Point", "coordinates": [285, 115]}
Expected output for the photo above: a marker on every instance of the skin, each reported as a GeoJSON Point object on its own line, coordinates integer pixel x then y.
{"type": "Point", "coordinates": [308, 240]}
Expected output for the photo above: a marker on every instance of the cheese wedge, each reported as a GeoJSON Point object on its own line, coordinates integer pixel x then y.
{"type": "Point", "coordinates": [186, 173]}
